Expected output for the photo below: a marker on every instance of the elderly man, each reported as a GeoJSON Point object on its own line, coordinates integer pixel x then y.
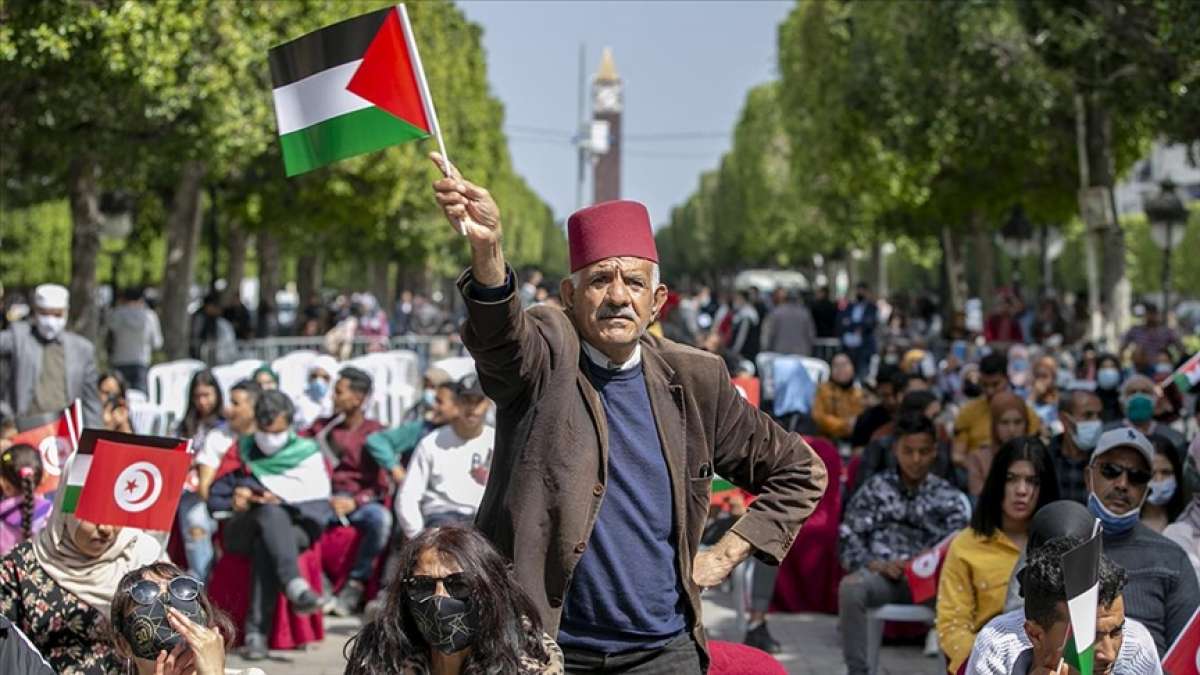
{"type": "Point", "coordinates": [1162, 591]}
{"type": "Point", "coordinates": [49, 366]}
{"type": "Point", "coordinates": [607, 443]}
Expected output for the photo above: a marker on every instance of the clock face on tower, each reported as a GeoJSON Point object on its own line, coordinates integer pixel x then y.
{"type": "Point", "coordinates": [607, 97]}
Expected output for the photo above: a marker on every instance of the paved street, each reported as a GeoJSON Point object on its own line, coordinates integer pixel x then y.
{"type": "Point", "coordinates": [811, 646]}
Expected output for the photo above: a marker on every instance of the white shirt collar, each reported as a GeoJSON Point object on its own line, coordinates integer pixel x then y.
{"type": "Point", "coordinates": [597, 357]}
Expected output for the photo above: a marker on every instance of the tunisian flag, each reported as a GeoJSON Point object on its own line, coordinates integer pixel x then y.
{"type": "Point", "coordinates": [1183, 658]}
{"type": "Point", "coordinates": [55, 441]}
{"type": "Point", "coordinates": [134, 485]}
{"type": "Point", "coordinates": [923, 571]}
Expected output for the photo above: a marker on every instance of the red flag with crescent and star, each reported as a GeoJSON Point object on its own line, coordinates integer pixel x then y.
{"type": "Point", "coordinates": [134, 485]}
{"type": "Point", "coordinates": [54, 441]}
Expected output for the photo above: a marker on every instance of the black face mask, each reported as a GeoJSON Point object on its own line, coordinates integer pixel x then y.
{"type": "Point", "coordinates": [448, 624]}
{"type": "Point", "coordinates": [971, 390]}
{"type": "Point", "coordinates": [147, 629]}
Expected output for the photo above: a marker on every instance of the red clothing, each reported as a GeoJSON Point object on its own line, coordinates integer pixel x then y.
{"type": "Point", "coordinates": [355, 471]}
{"type": "Point", "coordinates": [1001, 328]}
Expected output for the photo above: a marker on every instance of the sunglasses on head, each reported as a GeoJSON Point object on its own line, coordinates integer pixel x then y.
{"type": "Point", "coordinates": [420, 586]}
{"type": "Point", "coordinates": [1114, 471]}
{"type": "Point", "coordinates": [183, 588]}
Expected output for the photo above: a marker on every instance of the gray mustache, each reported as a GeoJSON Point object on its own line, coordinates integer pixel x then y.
{"type": "Point", "coordinates": [611, 312]}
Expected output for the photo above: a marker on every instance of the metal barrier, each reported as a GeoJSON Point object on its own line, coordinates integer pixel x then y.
{"type": "Point", "coordinates": [826, 348]}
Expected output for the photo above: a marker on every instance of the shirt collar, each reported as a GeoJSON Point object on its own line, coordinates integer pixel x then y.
{"type": "Point", "coordinates": [597, 357]}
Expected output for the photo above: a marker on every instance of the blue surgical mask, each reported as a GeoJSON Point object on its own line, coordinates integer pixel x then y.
{"type": "Point", "coordinates": [1139, 407]}
{"type": "Point", "coordinates": [429, 397]}
{"type": "Point", "coordinates": [1112, 523]}
{"type": "Point", "coordinates": [1163, 368]}
{"type": "Point", "coordinates": [317, 389]}
{"type": "Point", "coordinates": [1108, 378]}
{"type": "Point", "coordinates": [1086, 433]}
{"type": "Point", "coordinates": [1161, 491]}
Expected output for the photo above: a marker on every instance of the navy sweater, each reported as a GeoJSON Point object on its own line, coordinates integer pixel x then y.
{"type": "Point", "coordinates": [625, 594]}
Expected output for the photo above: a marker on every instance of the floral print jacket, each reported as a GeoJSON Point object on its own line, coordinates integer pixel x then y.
{"type": "Point", "coordinates": [71, 634]}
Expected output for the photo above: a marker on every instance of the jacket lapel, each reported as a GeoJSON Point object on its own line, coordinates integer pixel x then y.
{"type": "Point", "coordinates": [666, 400]}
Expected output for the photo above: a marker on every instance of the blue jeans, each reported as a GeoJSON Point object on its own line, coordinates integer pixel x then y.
{"type": "Point", "coordinates": [194, 520]}
{"type": "Point", "coordinates": [374, 524]}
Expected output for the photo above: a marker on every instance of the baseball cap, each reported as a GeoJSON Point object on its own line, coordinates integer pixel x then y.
{"type": "Point", "coordinates": [1124, 437]}
{"type": "Point", "coordinates": [467, 385]}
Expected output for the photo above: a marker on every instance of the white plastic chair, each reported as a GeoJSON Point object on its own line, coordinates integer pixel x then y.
{"type": "Point", "coordinates": [168, 384]}
{"type": "Point", "coordinates": [456, 367]}
{"type": "Point", "coordinates": [405, 366]}
{"type": "Point", "coordinates": [906, 613]}
{"type": "Point", "coordinates": [818, 370]}
{"type": "Point", "coordinates": [292, 369]}
{"type": "Point", "coordinates": [229, 375]}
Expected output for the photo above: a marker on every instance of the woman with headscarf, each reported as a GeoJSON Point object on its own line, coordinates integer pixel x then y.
{"type": "Point", "coordinates": [1009, 421]}
{"type": "Point", "coordinates": [58, 588]}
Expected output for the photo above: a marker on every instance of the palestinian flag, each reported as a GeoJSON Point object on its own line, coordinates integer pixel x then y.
{"type": "Point", "coordinates": [1187, 376]}
{"type": "Point", "coordinates": [55, 440]}
{"type": "Point", "coordinates": [348, 89]}
{"type": "Point", "coordinates": [1081, 576]}
{"type": "Point", "coordinates": [1183, 658]}
{"type": "Point", "coordinates": [295, 473]}
{"type": "Point", "coordinates": [79, 467]}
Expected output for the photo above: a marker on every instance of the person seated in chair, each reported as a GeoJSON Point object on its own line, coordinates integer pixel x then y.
{"type": "Point", "coordinates": [360, 484]}
{"type": "Point", "coordinates": [279, 495]}
{"type": "Point", "coordinates": [894, 517]}
{"type": "Point", "coordinates": [449, 468]}
{"type": "Point", "coordinates": [1032, 639]}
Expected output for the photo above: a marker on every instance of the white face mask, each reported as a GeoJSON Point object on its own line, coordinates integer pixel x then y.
{"type": "Point", "coordinates": [271, 443]}
{"type": "Point", "coordinates": [49, 326]}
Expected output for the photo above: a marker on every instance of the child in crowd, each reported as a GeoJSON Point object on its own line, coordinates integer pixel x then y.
{"type": "Point", "coordinates": [22, 513]}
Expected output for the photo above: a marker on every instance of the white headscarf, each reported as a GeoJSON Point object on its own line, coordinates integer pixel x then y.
{"type": "Point", "coordinates": [92, 579]}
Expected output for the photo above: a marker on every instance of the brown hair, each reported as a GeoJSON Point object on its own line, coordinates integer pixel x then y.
{"type": "Point", "coordinates": [21, 466]}
{"type": "Point", "coordinates": [122, 601]}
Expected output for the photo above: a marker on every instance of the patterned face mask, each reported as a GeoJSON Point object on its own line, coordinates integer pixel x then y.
{"type": "Point", "coordinates": [449, 625]}
{"type": "Point", "coordinates": [146, 629]}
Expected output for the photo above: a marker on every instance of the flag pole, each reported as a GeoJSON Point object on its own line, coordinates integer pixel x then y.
{"type": "Point", "coordinates": [427, 100]}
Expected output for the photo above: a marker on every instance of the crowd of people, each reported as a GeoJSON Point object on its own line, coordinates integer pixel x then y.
{"type": "Point", "coordinates": [545, 512]}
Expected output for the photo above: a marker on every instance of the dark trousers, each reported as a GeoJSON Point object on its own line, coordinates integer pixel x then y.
{"type": "Point", "coordinates": [680, 656]}
{"type": "Point", "coordinates": [762, 585]}
{"type": "Point", "coordinates": [135, 375]}
{"type": "Point", "coordinates": [267, 535]}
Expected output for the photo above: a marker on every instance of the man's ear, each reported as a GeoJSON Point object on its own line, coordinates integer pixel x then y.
{"type": "Point", "coordinates": [1035, 632]}
{"type": "Point", "coordinates": [566, 292]}
{"type": "Point", "coordinates": [660, 299]}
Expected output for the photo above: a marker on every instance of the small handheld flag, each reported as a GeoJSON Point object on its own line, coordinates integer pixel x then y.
{"type": "Point", "coordinates": [127, 480]}
{"type": "Point", "coordinates": [1187, 376]}
{"type": "Point", "coordinates": [1081, 576]}
{"type": "Point", "coordinates": [1183, 658]}
{"type": "Point", "coordinates": [351, 88]}
{"type": "Point", "coordinates": [55, 441]}
{"type": "Point", "coordinates": [923, 571]}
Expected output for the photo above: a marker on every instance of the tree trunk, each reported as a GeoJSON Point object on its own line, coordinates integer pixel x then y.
{"type": "Point", "coordinates": [879, 279]}
{"type": "Point", "coordinates": [983, 252]}
{"type": "Point", "coordinates": [239, 242]}
{"type": "Point", "coordinates": [85, 246]}
{"type": "Point", "coordinates": [1114, 286]}
{"type": "Point", "coordinates": [377, 278]}
{"type": "Point", "coordinates": [183, 237]}
{"type": "Point", "coordinates": [954, 282]}
{"type": "Point", "coordinates": [308, 275]}
{"type": "Point", "coordinates": [267, 249]}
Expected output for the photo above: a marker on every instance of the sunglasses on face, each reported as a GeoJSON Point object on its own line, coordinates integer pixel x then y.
{"type": "Point", "coordinates": [183, 588]}
{"type": "Point", "coordinates": [419, 587]}
{"type": "Point", "coordinates": [1114, 471]}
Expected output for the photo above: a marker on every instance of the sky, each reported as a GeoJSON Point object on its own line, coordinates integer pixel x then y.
{"type": "Point", "coordinates": [686, 67]}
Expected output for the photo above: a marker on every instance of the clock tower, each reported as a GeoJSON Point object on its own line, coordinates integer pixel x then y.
{"type": "Point", "coordinates": [607, 104]}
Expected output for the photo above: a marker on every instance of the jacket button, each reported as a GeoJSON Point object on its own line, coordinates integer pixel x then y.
{"type": "Point", "coordinates": [581, 547]}
{"type": "Point", "coordinates": [598, 490]}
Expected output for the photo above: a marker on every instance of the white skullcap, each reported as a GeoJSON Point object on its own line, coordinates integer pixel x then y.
{"type": "Point", "coordinates": [51, 296]}
{"type": "Point", "coordinates": [325, 363]}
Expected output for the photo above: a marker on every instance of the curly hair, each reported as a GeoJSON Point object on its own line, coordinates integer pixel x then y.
{"type": "Point", "coordinates": [509, 628]}
{"type": "Point", "coordinates": [1044, 586]}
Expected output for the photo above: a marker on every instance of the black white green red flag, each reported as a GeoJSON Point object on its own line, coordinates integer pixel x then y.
{"type": "Point", "coordinates": [350, 88]}
{"type": "Point", "coordinates": [1081, 576]}
{"type": "Point", "coordinates": [1187, 376]}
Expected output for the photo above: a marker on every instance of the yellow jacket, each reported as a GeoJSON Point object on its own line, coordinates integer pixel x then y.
{"type": "Point", "coordinates": [972, 589]}
{"type": "Point", "coordinates": [834, 409]}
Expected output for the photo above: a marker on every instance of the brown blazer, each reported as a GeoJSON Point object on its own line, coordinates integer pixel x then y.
{"type": "Point", "coordinates": [549, 468]}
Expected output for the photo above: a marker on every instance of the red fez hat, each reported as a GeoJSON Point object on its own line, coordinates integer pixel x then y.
{"type": "Point", "coordinates": [610, 230]}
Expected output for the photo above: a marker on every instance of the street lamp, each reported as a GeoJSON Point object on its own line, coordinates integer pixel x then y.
{"type": "Point", "coordinates": [1166, 211]}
